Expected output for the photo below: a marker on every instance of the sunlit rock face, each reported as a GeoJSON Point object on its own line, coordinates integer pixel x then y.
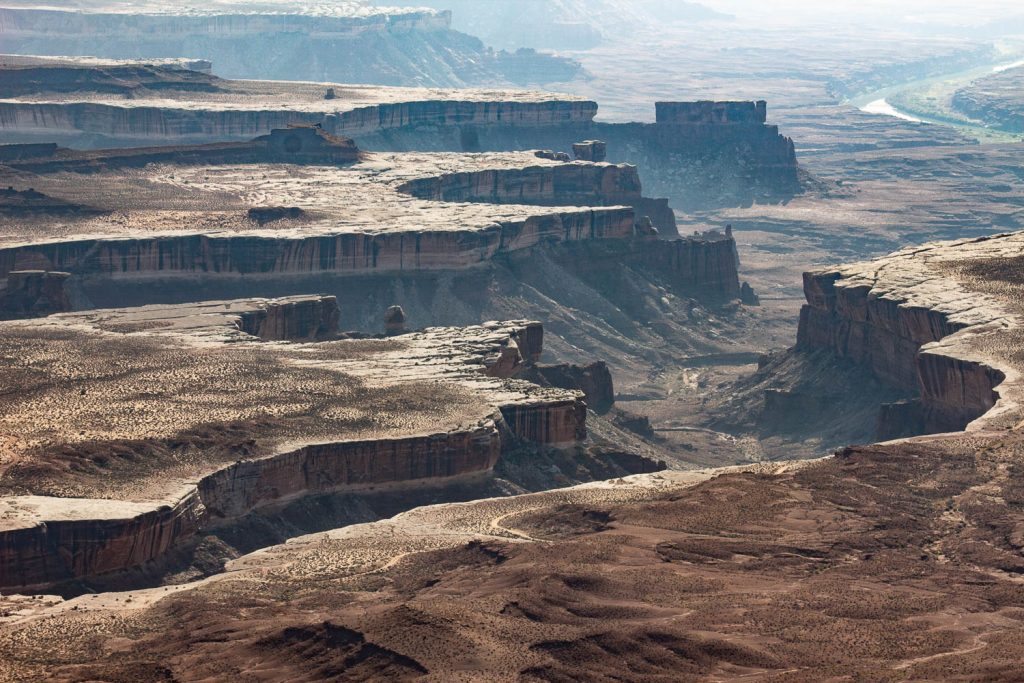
{"type": "Point", "coordinates": [932, 320]}
{"type": "Point", "coordinates": [699, 155]}
{"type": "Point", "coordinates": [230, 423]}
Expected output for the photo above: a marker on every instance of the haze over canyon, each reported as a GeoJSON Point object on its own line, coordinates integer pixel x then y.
{"type": "Point", "coordinates": [577, 340]}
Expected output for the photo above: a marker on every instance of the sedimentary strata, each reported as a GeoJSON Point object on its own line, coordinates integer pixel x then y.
{"type": "Point", "coordinates": [931, 320]}
{"type": "Point", "coordinates": [232, 213]}
{"type": "Point", "coordinates": [343, 41]}
{"type": "Point", "coordinates": [134, 429]}
{"type": "Point", "coordinates": [698, 154]}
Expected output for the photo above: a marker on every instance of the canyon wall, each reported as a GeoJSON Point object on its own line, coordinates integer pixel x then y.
{"type": "Point", "coordinates": [695, 264]}
{"type": "Point", "coordinates": [34, 293]}
{"type": "Point", "coordinates": [351, 253]}
{"type": "Point", "coordinates": [391, 47]}
{"type": "Point", "coordinates": [578, 184]}
{"type": "Point", "coordinates": [61, 550]}
{"type": "Point", "coordinates": [885, 333]}
{"type": "Point", "coordinates": [82, 124]}
{"type": "Point", "coordinates": [298, 319]}
{"type": "Point", "coordinates": [702, 268]}
{"type": "Point", "coordinates": [48, 541]}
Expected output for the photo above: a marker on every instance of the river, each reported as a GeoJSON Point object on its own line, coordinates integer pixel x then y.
{"type": "Point", "coordinates": [876, 102]}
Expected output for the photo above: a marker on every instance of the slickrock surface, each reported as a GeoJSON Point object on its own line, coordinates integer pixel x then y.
{"type": "Point", "coordinates": [185, 416]}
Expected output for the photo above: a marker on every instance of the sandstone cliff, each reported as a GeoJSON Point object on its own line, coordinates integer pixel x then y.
{"type": "Point", "coordinates": [575, 184]}
{"type": "Point", "coordinates": [104, 523]}
{"type": "Point", "coordinates": [917, 324]}
{"type": "Point", "coordinates": [347, 43]}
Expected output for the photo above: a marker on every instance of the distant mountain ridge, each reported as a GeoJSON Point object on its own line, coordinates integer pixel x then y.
{"type": "Point", "coordinates": [559, 24]}
{"type": "Point", "coordinates": [346, 41]}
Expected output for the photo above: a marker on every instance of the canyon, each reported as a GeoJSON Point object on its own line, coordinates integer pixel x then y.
{"type": "Point", "coordinates": [142, 473]}
{"type": "Point", "coordinates": [389, 46]}
{"type": "Point", "coordinates": [692, 575]}
{"type": "Point", "coordinates": [697, 155]}
{"type": "Point", "coordinates": [132, 492]}
{"type": "Point", "coordinates": [313, 380]}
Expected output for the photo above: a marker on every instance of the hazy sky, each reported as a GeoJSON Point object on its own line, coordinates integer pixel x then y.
{"type": "Point", "coordinates": [945, 11]}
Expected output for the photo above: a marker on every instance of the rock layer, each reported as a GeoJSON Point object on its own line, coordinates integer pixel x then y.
{"type": "Point", "coordinates": [698, 154]}
{"type": "Point", "coordinates": [572, 184]}
{"type": "Point", "coordinates": [110, 520]}
{"type": "Point", "coordinates": [345, 42]}
{"type": "Point", "coordinates": [918, 325]}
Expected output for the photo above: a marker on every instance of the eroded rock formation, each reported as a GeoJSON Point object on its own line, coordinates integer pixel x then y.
{"type": "Point", "coordinates": [343, 42]}
{"type": "Point", "coordinates": [293, 319]}
{"type": "Point", "coordinates": [920, 321]}
{"type": "Point", "coordinates": [429, 407]}
{"type": "Point", "coordinates": [698, 154]}
{"type": "Point", "coordinates": [34, 293]}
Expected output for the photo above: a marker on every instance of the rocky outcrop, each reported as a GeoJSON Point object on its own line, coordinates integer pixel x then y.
{"type": "Point", "coordinates": [594, 380]}
{"type": "Point", "coordinates": [47, 540]}
{"type": "Point", "coordinates": [394, 321]}
{"type": "Point", "coordinates": [34, 293]}
{"type": "Point", "coordinates": [916, 326]}
{"type": "Point", "coordinates": [101, 536]}
{"type": "Point", "coordinates": [556, 424]}
{"type": "Point", "coordinates": [698, 264]}
{"type": "Point", "coordinates": [574, 184]}
{"type": "Point", "coordinates": [590, 150]}
{"type": "Point", "coordinates": [294, 319]}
